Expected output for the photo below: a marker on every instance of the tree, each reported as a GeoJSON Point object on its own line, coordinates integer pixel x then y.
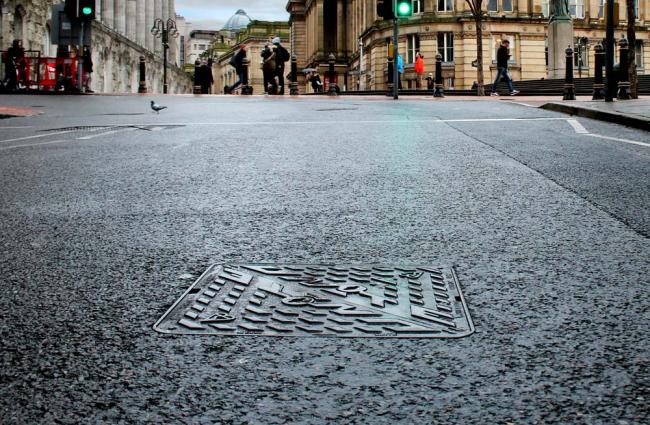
{"type": "Point", "coordinates": [631, 39]}
{"type": "Point", "coordinates": [476, 7]}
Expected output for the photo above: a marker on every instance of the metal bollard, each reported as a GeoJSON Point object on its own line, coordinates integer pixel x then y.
{"type": "Point", "coordinates": [142, 87]}
{"type": "Point", "coordinates": [332, 74]}
{"type": "Point", "coordinates": [293, 87]}
{"type": "Point", "coordinates": [439, 87]}
{"type": "Point", "coordinates": [569, 87]}
{"type": "Point", "coordinates": [389, 81]}
{"type": "Point", "coordinates": [599, 86]}
{"type": "Point", "coordinates": [245, 88]}
{"type": "Point", "coordinates": [624, 73]}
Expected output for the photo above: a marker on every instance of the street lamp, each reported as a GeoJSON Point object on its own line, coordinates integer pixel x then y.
{"type": "Point", "coordinates": [164, 30]}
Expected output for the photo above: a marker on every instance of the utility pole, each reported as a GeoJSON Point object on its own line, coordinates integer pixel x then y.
{"type": "Point", "coordinates": [395, 53]}
{"type": "Point", "coordinates": [609, 52]}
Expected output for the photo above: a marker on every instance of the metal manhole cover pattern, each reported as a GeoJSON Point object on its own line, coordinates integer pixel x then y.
{"type": "Point", "coordinates": [321, 300]}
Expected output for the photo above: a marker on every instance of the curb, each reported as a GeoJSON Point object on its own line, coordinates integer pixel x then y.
{"type": "Point", "coordinates": [613, 117]}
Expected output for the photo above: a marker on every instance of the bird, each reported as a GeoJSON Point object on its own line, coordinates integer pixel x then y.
{"type": "Point", "coordinates": [157, 107]}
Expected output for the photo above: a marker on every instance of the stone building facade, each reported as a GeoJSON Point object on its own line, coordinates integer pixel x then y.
{"type": "Point", "coordinates": [120, 36]}
{"type": "Point", "coordinates": [352, 31]}
{"type": "Point", "coordinates": [255, 36]}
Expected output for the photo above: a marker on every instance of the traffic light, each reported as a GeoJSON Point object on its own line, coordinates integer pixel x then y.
{"type": "Point", "coordinates": [385, 9]}
{"type": "Point", "coordinates": [403, 8]}
{"type": "Point", "coordinates": [80, 9]}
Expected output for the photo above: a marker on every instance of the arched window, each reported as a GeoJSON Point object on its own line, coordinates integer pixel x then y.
{"type": "Point", "coordinates": [19, 27]}
{"type": "Point", "coordinates": [47, 43]}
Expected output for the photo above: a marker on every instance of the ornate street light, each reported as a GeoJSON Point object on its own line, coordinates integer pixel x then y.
{"type": "Point", "coordinates": [164, 30]}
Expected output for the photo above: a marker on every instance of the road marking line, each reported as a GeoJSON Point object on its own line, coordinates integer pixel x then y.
{"type": "Point", "coordinates": [632, 142]}
{"type": "Point", "coordinates": [34, 144]}
{"type": "Point", "coordinates": [15, 127]}
{"type": "Point", "coordinates": [577, 126]}
{"type": "Point", "coordinates": [327, 122]}
{"type": "Point", "coordinates": [37, 136]}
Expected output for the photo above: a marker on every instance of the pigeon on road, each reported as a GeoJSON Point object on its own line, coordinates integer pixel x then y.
{"type": "Point", "coordinates": [157, 107]}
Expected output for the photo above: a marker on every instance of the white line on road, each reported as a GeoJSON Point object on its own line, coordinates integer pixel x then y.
{"type": "Point", "coordinates": [632, 142]}
{"type": "Point", "coordinates": [15, 127]}
{"type": "Point", "coordinates": [581, 130]}
{"type": "Point", "coordinates": [328, 122]}
{"type": "Point", "coordinates": [37, 136]}
{"type": "Point", "coordinates": [33, 144]}
{"type": "Point", "coordinates": [577, 126]}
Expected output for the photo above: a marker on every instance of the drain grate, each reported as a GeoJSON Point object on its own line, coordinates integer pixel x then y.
{"type": "Point", "coordinates": [321, 300]}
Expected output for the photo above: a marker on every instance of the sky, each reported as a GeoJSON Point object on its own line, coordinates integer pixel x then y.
{"type": "Point", "coordinates": [212, 14]}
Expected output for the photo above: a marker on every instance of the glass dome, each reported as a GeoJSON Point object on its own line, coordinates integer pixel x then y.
{"type": "Point", "coordinates": [237, 21]}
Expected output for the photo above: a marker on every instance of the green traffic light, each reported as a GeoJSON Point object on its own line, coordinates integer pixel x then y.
{"type": "Point", "coordinates": [87, 10]}
{"type": "Point", "coordinates": [404, 9]}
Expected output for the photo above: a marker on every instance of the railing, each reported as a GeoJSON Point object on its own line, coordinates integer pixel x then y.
{"type": "Point", "coordinates": [44, 73]}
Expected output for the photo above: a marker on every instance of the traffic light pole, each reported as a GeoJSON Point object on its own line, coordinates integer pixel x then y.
{"type": "Point", "coordinates": [80, 58]}
{"type": "Point", "coordinates": [395, 52]}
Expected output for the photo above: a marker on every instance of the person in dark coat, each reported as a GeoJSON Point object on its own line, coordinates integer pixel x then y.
{"type": "Point", "coordinates": [237, 61]}
{"type": "Point", "coordinates": [502, 69]}
{"type": "Point", "coordinates": [206, 77]}
{"type": "Point", "coordinates": [281, 56]}
{"type": "Point", "coordinates": [87, 68]}
{"type": "Point", "coordinates": [269, 70]}
{"type": "Point", "coordinates": [316, 82]}
{"type": "Point", "coordinates": [15, 65]}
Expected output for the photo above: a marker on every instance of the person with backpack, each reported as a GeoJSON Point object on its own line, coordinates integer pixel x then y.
{"type": "Point", "coordinates": [281, 56]}
{"type": "Point", "coordinates": [268, 69]}
{"type": "Point", "coordinates": [237, 62]}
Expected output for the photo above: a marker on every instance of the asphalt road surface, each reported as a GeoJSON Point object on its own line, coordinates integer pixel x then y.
{"type": "Point", "coordinates": [108, 212]}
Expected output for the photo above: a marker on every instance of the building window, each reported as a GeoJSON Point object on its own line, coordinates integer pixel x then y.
{"type": "Point", "coordinates": [577, 8]}
{"type": "Point", "coordinates": [182, 50]}
{"type": "Point", "coordinates": [507, 5]}
{"type": "Point", "coordinates": [412, 47]}
{"type": "Point", "coordinates": [493, 6]}
{"type": "Point", "coordinates": [417, 6]}
{"type": "Point", "coordinates": [545, 8]}
{"type": "Point", "coordinates": [601, 10]}
{"type": "Point", "coordinates": [446, 46]}
{"type": "Point", "coordinates": [636, 9]}
{"type": "Point", "coordinates": [445, 5]}
{"type": "Point", "coordinates": [497, 43]}
{"type": "Point", "coordinates": [638, 53]}
{"type": "Point", "coordinates": [581, 54]}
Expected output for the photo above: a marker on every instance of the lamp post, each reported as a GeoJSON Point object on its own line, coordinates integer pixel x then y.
{"type": "Point", "coordinates": [164, 30]}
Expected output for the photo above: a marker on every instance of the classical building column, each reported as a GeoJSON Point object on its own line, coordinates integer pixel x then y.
{"type": "Point", "coordinates": [165, 10]}
{"type": "Point", "coordinates": [141, 28]}
{"type": "Point", "coordinates": [148, 23]}
{"type": "Point", "coordinates": [120, 16]}
{"type": "Point", "coordinates": [131, 13]}
{"type": "Point", "coordinates": [320, 27]}
{"type": "Point", "coordinates": [173, 43]}
{"type": "Point", "coordinates": [157, 14]}
{"type": "Point", "coordinates": [340, 29]}
{"type": "Point", "coordinates": [107, 13]}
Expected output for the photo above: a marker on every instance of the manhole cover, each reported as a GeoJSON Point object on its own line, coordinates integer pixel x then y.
{"type": "Point", "coordinates": [321, 300]}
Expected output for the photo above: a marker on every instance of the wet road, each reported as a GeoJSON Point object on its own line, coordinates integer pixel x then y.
{"type": "Point", "coordinates": [108, 212]}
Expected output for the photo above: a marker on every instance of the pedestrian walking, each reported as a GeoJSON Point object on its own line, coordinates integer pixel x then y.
{"type": "Point", "coordinates": [269, 68]}
{"type": "Point", "coordinates": [419, 69]}
{"type": "Point", "coordinates": [281, 56]}
{"type": "Point", "coordinates": [237, 62]}
{"type": "Point", "coordinates": [400, 70]}
{"type": "Point", "coordinates": [15, 65]}
{"type": "Point", "coordinates": [502, 69]}
{"type": "Point", "coordinates": [206, 77]}
{"type": "Point", "coordinates": [87, 68]}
